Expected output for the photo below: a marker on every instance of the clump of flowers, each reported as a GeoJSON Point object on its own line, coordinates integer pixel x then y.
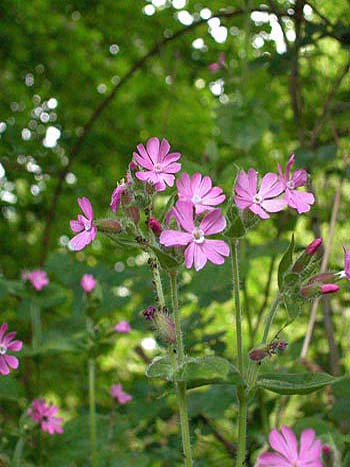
{"type": "Point", "coordinates": [123, 327]}
{"type": "Point", "coordinates": [88, 283]}
{"type": "Point", "coordinates": [118, 393]}
{"type": "Point", "coordinates": [37, 278]}
{"type": "Point", "coordinates": [287, 453]}
{"type": "Point", "coordinates": [45, 415]}
{"type": "Point", "coordinates": [8, 344]}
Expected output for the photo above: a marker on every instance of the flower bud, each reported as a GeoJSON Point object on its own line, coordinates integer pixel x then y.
{"type": "Point", "coordinates": [326, 449]}
{"type": "Point", "coordinates": [149, 313]}
{"type": "Point", "coordinates": [109, 225]}
{"type": "Point", "coordinates": [312, 290]}
{"type": "Point", "coordinates": [133, 213]}
{"type": "Point", "coordinates": [166, 327]}
{"type": "Point", "coordinates": [304, 259]}
{"type": "Point", "coordinates": [133, 166]}
{"type": "Point", "coordinates": [258, 354]}
{"type": "Point", "coordinates": [324, 278]}
{"type": "Point", "coordinates": [329, 288]}
{"type": "Point", "coordinates": [155, 226]}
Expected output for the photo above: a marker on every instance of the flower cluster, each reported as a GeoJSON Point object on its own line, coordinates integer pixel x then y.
{"type": "Point", "coordinates": [45, 415]}
{"type": "Point", "coordinates": [267, 198]}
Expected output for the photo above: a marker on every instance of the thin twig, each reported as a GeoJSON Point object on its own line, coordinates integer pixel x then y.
{"type": "Point", "coordinates": [230, 448]}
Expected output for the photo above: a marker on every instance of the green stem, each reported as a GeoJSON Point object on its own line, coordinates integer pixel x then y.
{"type": "Point", "coordinates": [242, 430]}
{"type": "Point", "coordinates": [238, 312]}
{"type": "Point", "coordinates": [181, 386]}
{"type": "Point", "coordinates": [17, 455]}
{"type": "Point", "coordinates": [36, 326]}
{"type": "Point", "coordinates": [92, 399]}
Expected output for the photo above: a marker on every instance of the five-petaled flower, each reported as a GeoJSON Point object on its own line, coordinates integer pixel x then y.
{"type": "Point", "coordinates": [83, 226]}
{"type": "Point", "coordinates": [287, 453]}
{"type": "Point", "coordinates": [37, 278]}
{"type": "Point", "coordinates": [118, 394]}
{"type": "Point", "coordinates": [8, 344]}
{"type": "Point", "coordinates": [123, 327]}
{"type": "Point", "coordinates": [260, 201]}
{"type": "Point", "coordinates": [159, 164]}
{"type": "Point", "coordinates": [88, 283]}
{"type": "Point", "coordinates": [299, 200]}
{"type": "Point", "coordinates": [199, 249]}
{"type": "Point", "coordinates": [200, 192]}
{"type": "Point", "coordinates": [44, 414]}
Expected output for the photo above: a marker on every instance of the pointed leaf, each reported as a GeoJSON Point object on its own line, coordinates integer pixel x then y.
{"type": "Point", "coordinates": [160, 367]}
{"type": "Point", "coordinates": [298, 383]}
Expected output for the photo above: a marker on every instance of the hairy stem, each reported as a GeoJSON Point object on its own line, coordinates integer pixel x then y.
{"type": "Point", "coordinates": [92, 399]}
{"type": "Point", "coordinates": [242, 430]}
{"type": "Point", "coordinates": [181, 386]}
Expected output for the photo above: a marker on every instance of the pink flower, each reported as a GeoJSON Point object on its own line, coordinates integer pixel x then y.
{"type": "Point", "coordinates": [84, 226]}
{"type": "Point", "coordinates": [199, 248]}
{"type": "Point", "coordinates": [45, 415]}
{"type": "Point", "coordinates": [8, 344]}
{"type": "Point", "coordinates": [313, 246]}
{"type": "Point", "coordinates": [117, 196]}
{"type": "Point", "coordinates": [88, 283]}
{"type": "Point", "coordinates": [288, 454]}
{"type": "Point", "coordinates": [160, 166]}
{"type": "Point", "coordinates": [299, 200]}
{"type": "Point", "coordinates": [37, 278]}
{"type": "Point", "coordinates": [121, 396]}
{"type": "Point", "coordinates": [200, 192]}
{"type": "Point", "coordinates": [214, 67]}
{"type": "Point", "coordinates": [262, 200]}
{"type": "Point", "coordinates": [123, 327]}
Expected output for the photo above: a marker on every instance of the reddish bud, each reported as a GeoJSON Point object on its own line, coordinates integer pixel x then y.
{"type": "Point", "coordinates": [133, 166]}
{"type": "Point", "coordinates": [314, 246]}
{"type": "Point", "coordinates": [326, 449]}
{"type": "Point", "coordinates": [155, 226]}
{"type": "Point", "coordinates": [258, 354]}
{"type": "Point", "coordinates": [133, 214]}
{"type": "Point", "coordinates": [329, 288]}
{"type": "Point", "coordinates": [109, 225]}
{"type": "Point", "coordinates": [149, 313]}
{"type": "Point", "coordinates": [324, 278]}
{"type": "Point", "coordinates": [314, 289]}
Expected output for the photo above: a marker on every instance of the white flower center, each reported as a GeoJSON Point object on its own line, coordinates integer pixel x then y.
{"type": "Point", "coordinates": [290, 185]}
{"type": "Point", "coordinates": [196, 199]}
{"type": "Point", "coordinates": [257, 199]}
{"type": "Point", "coordinates": [3, 349]}
{"type": "Point", "coordinates": [198, 235]}
{"type": "Point", "coordinates": [157, 168]}
{"type": "Point", "coordinates": [87, 225]}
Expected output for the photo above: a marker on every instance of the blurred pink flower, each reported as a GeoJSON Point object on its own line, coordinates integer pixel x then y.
{"type": "Point", "coordinates": [37, 278]}
{"type": "Point", "coordinates": [160, 166]}
{"type": "Point", "coordinates": [199, 191]}
{"type": "Point", "coordinates": [199, 249]}
{"type": "Point", "coordinates": [288, 454]}
{"type": "Point", "coordinates": [123, 327]}
{"type": "Point", "coordinates": [84, 226]}
{"type": "Point", "coordinates": [262, 200]}
{"type": "Point", "coordinates": [118, 394]}
{"type": "Point", "coordinates": [88, 283]}
{"type": "Point", "coordinates": [216, 66]}
{"type": "Point", "coordinates": [45, 415]}
{"type": "Point", "coordinates": [8, 344]}
{"type": "Point", "coordinates": [299, 200]}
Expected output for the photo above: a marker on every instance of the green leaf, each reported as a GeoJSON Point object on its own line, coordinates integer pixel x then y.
{"type": "Point", "coordinates": [295, 383]}
{"type": "Point", "coordinates": [208, 370]}
{"type": "Point", "coordinates": [294, 305]}
{"type": "Point", "coordinates": [160, 367]}
{"type": "Point", "coordinates": [167, 262]}
{"type": "Point", "coordinates": [236, 227]}
{"type": "Point", "coordinates": [285, 264]}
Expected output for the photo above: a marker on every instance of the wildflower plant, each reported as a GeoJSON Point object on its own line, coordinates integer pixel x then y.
{"type": "Point", "coordinates": [197, 228]}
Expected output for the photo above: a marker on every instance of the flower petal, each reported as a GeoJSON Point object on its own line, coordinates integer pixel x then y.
{"type": "Point", "coordinates": [174, 238]}
{"type": "Point", "coordinates": [183, 211]}
{"type": "Point", "coordinates": [3, 329]}
{"type": "Point", "coordinates": [152, 146]}
{"type": "Point", "coordinates": [199, 257]}
{"type": "Point", "coordinates": [15, 346]}
{"type": "Point", "coordinates": [76, 226]}
{"type": "Point", "coordinates": [215, 250]}
{"type": "Point", "coordinates": [272, 459]}
{"type": "Point", "coordinates": [270, 186]}
{"type": "Point", "coordinates": [11, 361]}
{"type": "Point", "coordinates": [86, 207]}
{"type": "Point", "coordinates": [80, 241]}
{"type": "Point", "coordinates": [257, 209]}
{"type": "Point", "coordinates": [274, 205]}
{"type": "Point", "coordinates": [285, 443]}
{"type": "Point", "coordinates": [189, 255]}
{"type": "Point", "coordinates": [4, 369]}
{"type": "Point", "coordinates": [213, 223]}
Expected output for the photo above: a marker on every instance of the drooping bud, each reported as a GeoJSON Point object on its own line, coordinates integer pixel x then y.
{"type": "Point", "coordinates": [304, 259]}
{"type": "Point", "coordinates": [314, 246]}
{"type": "Point", "coordinates": [149, 313]}
{"type": "Point", "coordinates": [329, 288]}
{"type": "Point", "coordinates": [155, 226]}
{"type": "Point", "coordinates": [258, 354]}
{"type": "Point", "coordinates": [313, 290]}
{"type": "Point", "coordinates": [108, 225]}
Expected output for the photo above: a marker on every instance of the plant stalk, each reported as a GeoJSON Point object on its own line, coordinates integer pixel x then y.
{"type": "Point", "coordinates": [92, 399]}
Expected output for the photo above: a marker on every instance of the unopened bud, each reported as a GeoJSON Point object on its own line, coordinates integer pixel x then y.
{"type": "Point", "coordinates": [329, 288]}
{"type": "Point", "coordinates": [312, 290]}
{"type": "Point", "coordinates": [304, 259]}
{"type": "Point", "coordinates": [133, 213]}
{"type": "Point", "coordinates": [326, 449]}
{"type": "Point", "coordinates": [314, 246]}
{"type": "Point", "coordinates": [108, 225]}
{"type": "Point", "coordinates": [155, 226]}
{"type": "Point", "coordinates": [166, 327]}
{"type": "Point", "coordinates": [149, 313]}
{"type": "Point", "coordinates": [324, 278]}
{"type": "Point", "coordinates": [258, 354]}
{"type": "Point", "coordinates": [133, 166]}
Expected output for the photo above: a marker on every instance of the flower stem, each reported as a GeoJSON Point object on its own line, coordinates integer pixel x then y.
{"type": "Point", "coordinates": [181, 386]}
{"type": "Point", "coordinates": [241, 393]}
{"type": "Point", "coordinates": [92, 399]}
{"type": "Point", "coordinates": [17, 456]}
{"type": "Point", "coordinates": [36, 325]}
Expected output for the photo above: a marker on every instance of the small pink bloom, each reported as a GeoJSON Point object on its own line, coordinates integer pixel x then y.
{"type": "Point", "coordinates": [159, 164]}
{"type": "Point", "coordinates": [200, 192]}
{"type": "Point", "coordinates": [45, 415]}
{"type": "Point", "coordinates": [88, 283]}
{"type": "Point", "coordinates": [286, 452]}
{"type": "Point", "coordinates": [262, 200]}
{"type": "Point", "coordinates": [346, 263]}
{"type": "Point", "coordinates": [329, 288]}
{"type": "Point", "coordinates": [83, 226]}
{"type": "Point", "coordinates": [123, 327]}
{"type": "Point", "coordinates": [199, 249]}
{"type": "Point", "coordinates": [121, 396]}
{"type": "Point", "coordinates": [313, 247]}
{"type": "Point", "coordinates": [117, 196]}
{"type": "Point", "coordinates": [326, 449]}
{"type": "Point", "coordinates": [8, 344]}
{"type": "Point", "coordinates": [299, 200]}
{"type": "Point", "coordinates": [216, 66]}
{"type": "Point", "coordinates": [155, 226]}
{"type": "Point", "coordinates": [37, 278]}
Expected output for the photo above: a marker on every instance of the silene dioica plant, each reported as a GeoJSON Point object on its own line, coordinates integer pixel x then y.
{"type": "Point", "coordinates": [198, 226]}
